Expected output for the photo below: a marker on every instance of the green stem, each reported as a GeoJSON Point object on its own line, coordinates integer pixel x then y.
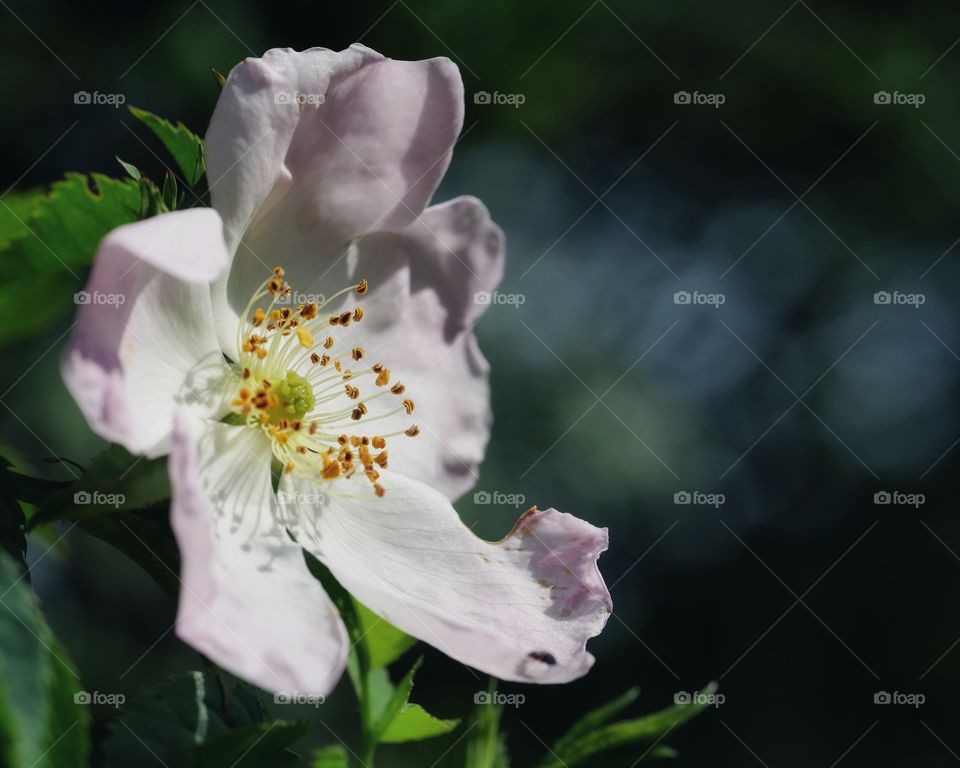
{"type": "Point", "coordinates": [368, 744]}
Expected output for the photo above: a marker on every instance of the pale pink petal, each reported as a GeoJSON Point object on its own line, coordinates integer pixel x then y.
{"type": "Point", "coordinates": [520, 609]}
{"type": "Point", "coordinates": [247, 599]}
{"type": "Point", "coordinates": [144, 342]}
{"type": "Point", "coordinates": [308, 150]}
{"type": "Point", "coordinates": [427, 289]}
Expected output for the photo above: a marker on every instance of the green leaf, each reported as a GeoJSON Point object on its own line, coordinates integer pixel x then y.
{"type": "Point", "coordinates": [401, 721]}
{"type": "Point", "coordinates": [132, 171]}
{"type": "Point", "coordinates": [49, 250]}
{"type": "Point", "coordinates": [41, 725]}
{"type": "Point", "coordinates": [193, 721]}
{"type": "Point", "coordinates": [16, 209]}
{"type": "Point", "coordinates": [486, 745]}
{"type": "Point", "coordinates": [12, 518]}
{"type": "Point", "coordinates": [387, 714]}
{"type": "Point", "coordinates": [597, 717]}
{"type": "Point", "coordinates": [414, 723]}
{"type": "Point", "coordinates": [263, 745]}
{"type": "Point", "coordinates": [398, 699]}
{"type": "Point", "coordinates": [115, 480]}
{"type": "Point", "coordinates": [146, 538]}
{"type": "Point", "coordinates": [330, 757]}
{"type": "Point", "coordinates": [385, 643]}
{"type": "Point", "coordinates": [184, 146]}
{"type": "Point", "coordinates": [571, 751]}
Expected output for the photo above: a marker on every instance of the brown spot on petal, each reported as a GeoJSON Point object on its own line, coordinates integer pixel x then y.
{"type": "Point", "coordinates": [544, 657]}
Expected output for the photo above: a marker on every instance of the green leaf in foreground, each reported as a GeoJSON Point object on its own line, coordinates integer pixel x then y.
{"type": "Point", "coordinates": [414, 723]}
{"type": "Point", "coordinates": [114, 481]}
{"type": "Point", "coordinates": [585, 741]}
{"type": "Point", "coordinates": [193, 721]}
{"type": "Point", "coordinates": [486, 745]}
{"type": "Point", "coordinates": [330, 757]}
{"type": "Point", "coordinates": [49, 244]}
{"type": "Point", "coordinates": [184, 146]}
{"type": "Point", "coordinates": [385, 643]}
{"type": "Point", "coordinates": [386, 711]}
{"type": "Point", "coordinates": [41, 725]}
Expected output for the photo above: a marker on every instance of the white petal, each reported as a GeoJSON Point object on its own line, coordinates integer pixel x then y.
{"type": "Point", "coordinates": [364, 149]}
{"type": "Point", "coordinates": [145, 342]}
{"type": "Point", "coordinates": [247, 599]}
{"type": "Point", "coordinates": [520, 609]}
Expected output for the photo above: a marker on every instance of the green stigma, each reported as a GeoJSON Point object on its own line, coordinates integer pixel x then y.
{"type": "Point", "coordinates": [295, 397]}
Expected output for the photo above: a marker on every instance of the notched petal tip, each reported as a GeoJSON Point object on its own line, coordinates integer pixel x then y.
{"type": "Point", "coordinates": [563, 552]}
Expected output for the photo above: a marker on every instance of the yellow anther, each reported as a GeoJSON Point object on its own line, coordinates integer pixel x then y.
{"type": "Point", "coordinates": [305, 337]}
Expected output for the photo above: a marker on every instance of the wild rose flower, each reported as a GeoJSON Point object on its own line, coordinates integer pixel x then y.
{"type": "Point", "coordinates": [352, 358]}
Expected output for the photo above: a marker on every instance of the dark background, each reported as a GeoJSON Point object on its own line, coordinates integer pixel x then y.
{"type": "Point", "coordinates": [799, 595]}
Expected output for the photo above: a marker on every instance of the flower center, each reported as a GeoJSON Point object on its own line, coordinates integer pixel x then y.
{"type": "Point", "coordinates": [305, 397]}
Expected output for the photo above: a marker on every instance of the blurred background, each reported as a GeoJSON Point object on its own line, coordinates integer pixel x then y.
{"type": "Point", "coordinates": [701, 207]}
